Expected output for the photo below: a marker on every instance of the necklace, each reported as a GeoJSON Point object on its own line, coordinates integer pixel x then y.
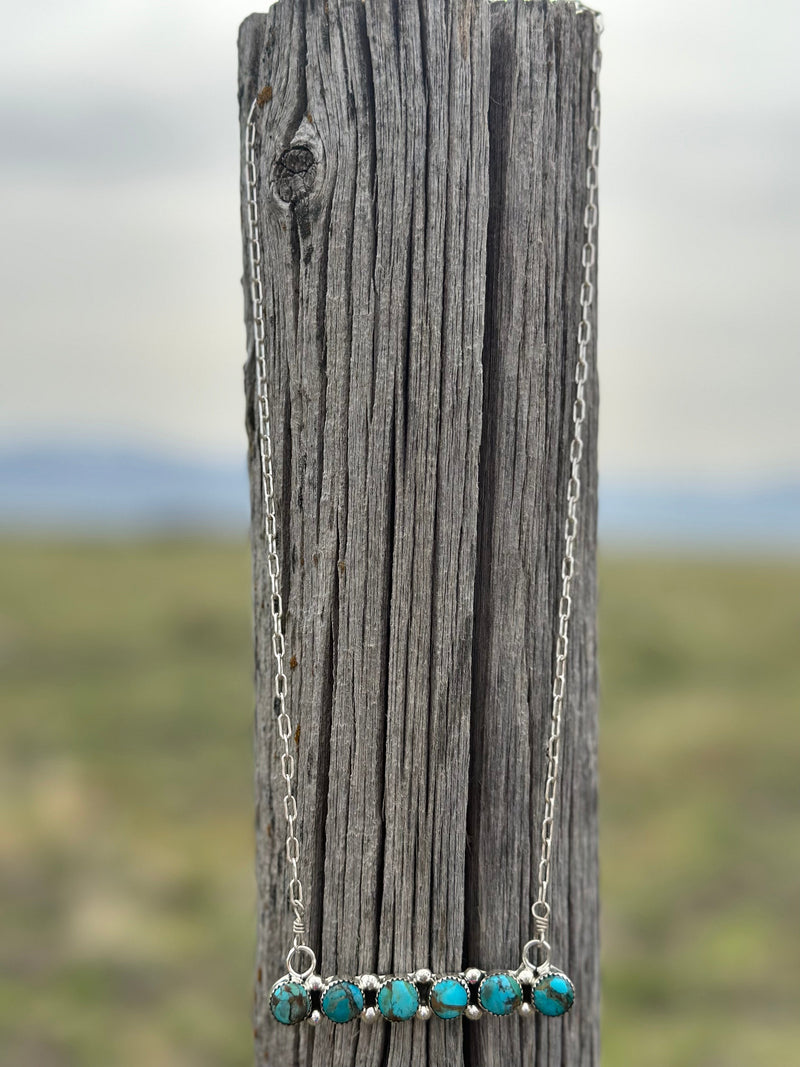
{"type": "Point", "coordinates": [535, 985]}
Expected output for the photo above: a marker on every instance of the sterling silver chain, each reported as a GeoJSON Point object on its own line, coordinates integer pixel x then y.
{"type": "Point", "coordinates": [541, 906]}
{"type": "Point", "coordinates": [540, 909]}
{"type": "Point", "coordinates": [295, 886]}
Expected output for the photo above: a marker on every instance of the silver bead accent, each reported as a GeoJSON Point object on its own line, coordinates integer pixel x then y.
{"type": "Point", "coordinates": [314, 983]}
{"type": "Point", "coordinates": [368, 983]}
{"type": "Point", "coordinates": [424, 1012]}
{"type": "Point", "coordinates": [315, 1017]}
{"type": "Point", "coordinates": [525, 977]}
{"type": "Point", "coordinates": [525, 1008]}
{"type": "Point", "coordinates": [370, 1015]}
{"type": "Point", "coordinates": [472, 975]}
{"type": "Point", "coordinates": [472, 1012]}
{"type": "Point", "coordinates": [423, 976]}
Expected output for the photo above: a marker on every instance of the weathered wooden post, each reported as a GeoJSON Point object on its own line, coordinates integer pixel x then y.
{"type": "Point", "coordinates": [422, 185]}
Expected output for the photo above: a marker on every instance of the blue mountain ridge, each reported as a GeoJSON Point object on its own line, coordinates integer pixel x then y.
{"type": "Point", "coordinates": [111, 490]}
{"type": "Point", "coordinates": [85, 489]}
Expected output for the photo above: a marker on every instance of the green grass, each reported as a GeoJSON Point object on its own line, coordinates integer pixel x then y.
{"type": "Point", "coordinates": [126, 829]}
{"type": "Point", "coordinates": [125, 808]}
{"type": "Point", "coordinates": [700, 803]}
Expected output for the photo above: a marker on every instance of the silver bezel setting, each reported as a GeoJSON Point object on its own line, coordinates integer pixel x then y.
{"type": "Point", "coordinates": [462, 981]}
{"type": "Point", "coordinates": [284, 980]}
{"type": "Point", "coordinates": [387, 981]}
{"type": "Point", "coordinates": [328, 985]}
{"type": "Point", "coordinates": [553, 972]}
{"type": "Point", "coordinates": [497, 1014]}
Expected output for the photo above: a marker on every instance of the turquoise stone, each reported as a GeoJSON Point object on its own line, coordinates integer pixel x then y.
{"type": "Point", "coordinates": [553, 994]}
{"type": "Point", "coordinates": [500, 993]}
{"type": "Point", "coordinates": [398, 1000]}
{"type": "Point", "coordinates": [289, 1002]}
{"type": "Point", "coordinates": [342, 1002]}
{"type": "Point", "coordinates": [449, 997]}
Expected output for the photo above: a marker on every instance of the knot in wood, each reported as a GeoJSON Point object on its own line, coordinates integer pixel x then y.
{"type": "Point", "coordinates": [295, 174]}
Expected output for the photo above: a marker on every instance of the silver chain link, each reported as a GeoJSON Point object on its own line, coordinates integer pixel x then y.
{"type": "Point", "coordinates": [541, 906]}
{"type": "Point", "coordinates": [284, 722]}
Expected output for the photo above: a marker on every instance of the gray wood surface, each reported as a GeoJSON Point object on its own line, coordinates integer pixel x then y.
{"type": "Point", "coordinates": [422, 175]}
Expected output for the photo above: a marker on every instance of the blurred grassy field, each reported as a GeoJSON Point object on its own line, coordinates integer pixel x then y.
{"type": "Point", "coordinates": [126, 935]}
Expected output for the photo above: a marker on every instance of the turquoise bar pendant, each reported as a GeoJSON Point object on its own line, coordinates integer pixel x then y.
{"type": "Point", "coordinates": [421, 995]}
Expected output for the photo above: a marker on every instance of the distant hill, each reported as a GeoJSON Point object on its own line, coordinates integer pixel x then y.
{"type": "Point", "coordinates": [766, 517]}
{"type": "Point", "coordinates": [85, 490]}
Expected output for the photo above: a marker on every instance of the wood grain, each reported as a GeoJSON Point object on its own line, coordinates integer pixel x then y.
{"type": "Point", "coordinates": [421, 190]}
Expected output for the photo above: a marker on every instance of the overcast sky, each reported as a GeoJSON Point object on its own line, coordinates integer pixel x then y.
{"type": "Point", "coordinates": [120, 304]}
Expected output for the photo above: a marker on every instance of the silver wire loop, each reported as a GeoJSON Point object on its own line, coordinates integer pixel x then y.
{"type": "Point", "coordinates": [528, 963]}
{"type": "Point", "coordinates": [295, 971]}
{"type": "Point", "coordinates": [541, 917]}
